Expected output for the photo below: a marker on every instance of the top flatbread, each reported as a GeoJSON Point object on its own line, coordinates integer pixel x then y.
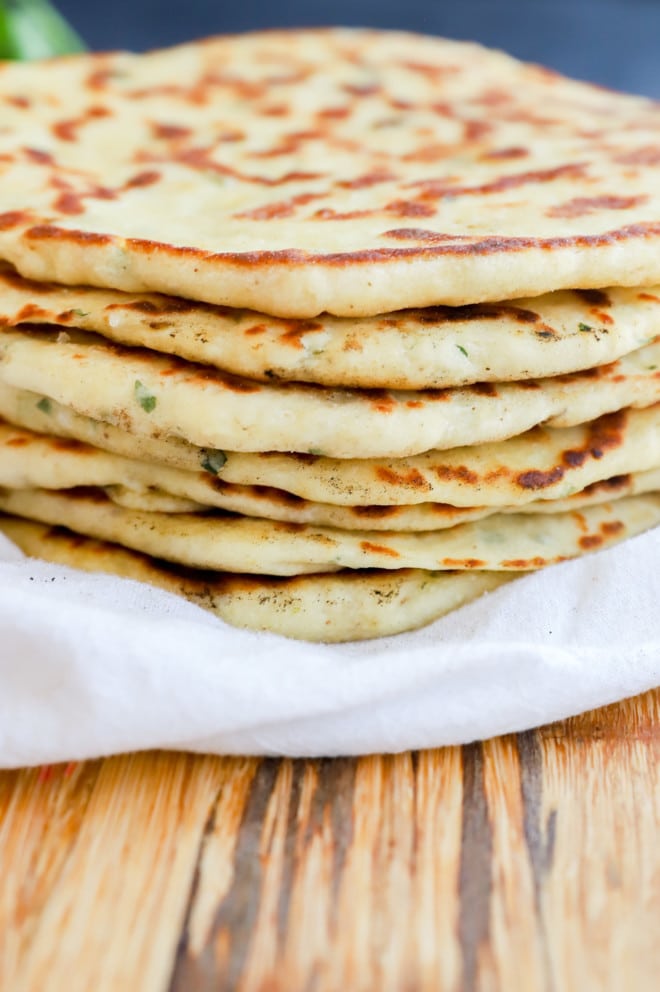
{"type": "Point", "coordinates": [356, 172]}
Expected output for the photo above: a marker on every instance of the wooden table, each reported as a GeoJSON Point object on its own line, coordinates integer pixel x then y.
{"type": "Point", "coordinates": [529, 862]}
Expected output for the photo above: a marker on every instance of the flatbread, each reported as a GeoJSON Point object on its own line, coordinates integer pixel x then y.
{"type": "Point", "coordinates": [351, 171]}
{"type": "Point", "coordinates": [465, 484]}
{"type": "Point", "coordinates": [411, 349]}
{"type": "Point", "coordinates": [274, 504]}
{"type": "Point", "coordinates": [162, 396]}
{"type": "Point", "coordinates": [345, 606]}
{"type": "Point", "coordinates": [501, 542]}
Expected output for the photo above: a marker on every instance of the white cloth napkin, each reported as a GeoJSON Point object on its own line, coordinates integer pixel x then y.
{"type": "Point", "coordinates": [92, 665]}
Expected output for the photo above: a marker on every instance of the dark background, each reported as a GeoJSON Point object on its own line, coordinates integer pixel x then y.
{"type": "Point", "coordinates": [613, 42]}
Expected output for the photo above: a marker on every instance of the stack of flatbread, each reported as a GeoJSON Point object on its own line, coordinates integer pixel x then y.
{"type": "Point", "coordinates": [254, 347]}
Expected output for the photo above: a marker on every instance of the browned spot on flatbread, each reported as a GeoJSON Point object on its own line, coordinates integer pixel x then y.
{"type": "Point", "coordinates": [476, 312]}
{"type": "Point", "coordinates": [536, 479]}
{"type": "Point", "coordinates": [594, 297]}
{"type": "Point", "coordinates": [410, 208]}
{"type": "Point", "coordinates": [611, 527]}
{"type": "Point", "coordinates": [506, 153]}
{"type": "Point", "coordinates": [413, 477]}
{"type": "Point", "coordinates": [484, 389]}
{"type": "Point", "coordinates": [69, 444]}
{"type": "Point", "coordinates": [375, 512]}
{"type": "Point", "coordinates": [380, 400]}
{"type": "Point", "coordinates": [525, 563]}
{"type": "Point", "coordinates": [456, 473]}
{"type": "Point", "coordinates": [295, 330]}
{"type": "Point", "coordinates": [12, 218]}
{"type": "Point", "coordinates": [30, 311]}
{"type": "Point", "coordinates": [380, 549]}
{"type": "Point", "coordinates": [648, 296]}
{"type": "Point", "coordinates": [646, 155]}
{"type": "Point", "coordinates": [604, 434]}
{"type": "Point", "coordinates": [67, 130]}
{"type": "Point", "coordinates": [284, 208]}
{"type": "Point", "coordinates": [18, 100]}
{"type": "Point", "coordinates": [39, 156]}
{"type": "Point", "coordinates": [17, 442]}
{"type": "Point", "coordinates": [367, 180]}
{"type": "Point", "coordinates": [580, 206]}
{"type": "Point", "coordinates": [439, 189]}
{"type": "Point", "coordinates": [146, 178]}
{"type": "Point", "coordinates": [280, 496]}
{"type": "Point", "coordinates": [169, 132]}
{"type": "Point", "coordinates": [335, 113]}
{"type": "Point", "coordinates": [463, 563]}
{"type": "Point", "coordinates": [590, 541]}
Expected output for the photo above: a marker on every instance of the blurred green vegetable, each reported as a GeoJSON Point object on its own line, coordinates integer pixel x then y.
{"type": "Point", "coordinates": [33, 29]}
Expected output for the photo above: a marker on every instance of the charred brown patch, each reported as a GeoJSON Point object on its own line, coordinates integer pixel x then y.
{"type": "Point", "coordinates": [594, 297]}
{"type": "Point", "coordinates": [379, 549]}
{"type": "Point", "coordinates": [328, 214]}
{"type": "Point", "coordinates": [146, 178]}
{"type": "Point", "coordinates": [580, 206]}
{"type": "Point", "coordinates": [536, 479]}
{"type": "Point", "coordinates": [484, 389]}
{"type": "Point", "coordinates": [463, 563]}
{"type": "Point", "coordinates": [412, 478]}
{"type": "Point", "coordinates": [410, 208]}
{"type": "Point", "coordinates": [32, 312]}
{"type": "Point", "coordinates": [475, 312]}
{"type": "Point", "coordinates": [526, 563]}
{"type": "Point", "coordinates": [69, 444]}
{"type": "Point", "coordinates": [381, 401]}
{"type": "Point", "coordinates": [456, 473]}
{"type": "Point", "coordinates": [607, 432]}
{"type": "Point", "coordinates": [375, 512]}
{"type": "Point", "coordinates": [574, 458]}
{"type": "Point", "coordinates": [284, 208]}
{"type": "Point", "coordinates": [367, 180]}
{"type": "Point", "coordinates": [506, 153]}
{"type": "Point", "coordinates": [38, 156]}
{"type": "Point", "coordinates": [278, 496]}
{"type": "Point", "coordinates": [170, 132]}
{"type": "Point", "coordinates": [295, 330]}
{"type": "Point", "coordinates": [612, 527]}
{"type": "Point", "coordinates": [438, 189]}
{"type": "Point", "coordinates": [590, 541]}
{"type": "Point", "coordinates": [17, 442]}
{"type": "Point", "coordinates": [16, 100]}
{"type": "Point", "coordinates": [647, 155]}
{"type": "Point", "coordinates": [12, 218]}
{"type": "Point", "coordinates": [49, 232]}
{"type": "Point", "coordinates": [335, 113]}
{"type": "Point", "coordinates": [648, 296]}
{"type": "Point", "coordinates": [613, 484]}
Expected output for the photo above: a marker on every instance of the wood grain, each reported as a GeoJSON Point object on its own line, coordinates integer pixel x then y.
{"type": "Point", "coordinates": [528, 862]}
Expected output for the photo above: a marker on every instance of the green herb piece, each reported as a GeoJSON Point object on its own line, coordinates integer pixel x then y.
{"type": "Point", "coordinates": [651, 368]}
{"type": "Point", "coordinates": [45, 405]}
{"type": "Point", "coordinates": [213, 461]}
{"type": "Point", "coordinates": [584, 327]}
{"type": "Point", "coordinates": [462, 349]}
{"type": "Point", "coordinates": [315, 451]}
{"type": "Point", "coordinates": [146, 399]}
{"type": "Point", "coordinates": [33, 29]}
{"type": "Point", "coordinates": [80, 313]}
